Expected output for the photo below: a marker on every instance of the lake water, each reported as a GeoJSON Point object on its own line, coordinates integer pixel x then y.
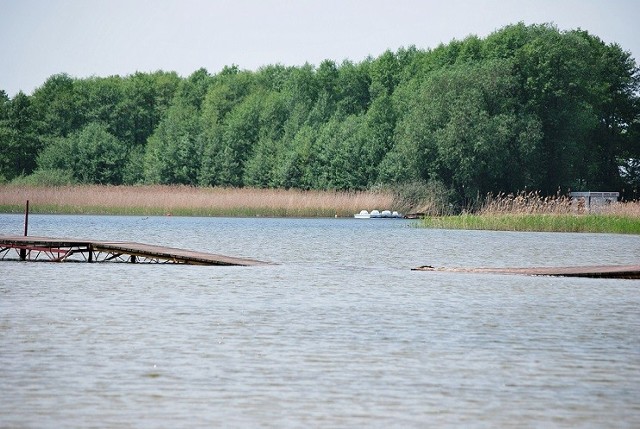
{"type": "Point", "coordinates": [338, 333]}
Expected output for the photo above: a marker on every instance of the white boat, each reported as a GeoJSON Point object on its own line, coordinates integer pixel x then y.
{"type": "Point", "coordinates": [362, 215]}
{"type": "Point", "coordinates": [375, 214]}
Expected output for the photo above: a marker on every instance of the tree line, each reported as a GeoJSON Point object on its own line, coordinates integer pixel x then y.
{"type": "Point", "coordinates": [528, 107]}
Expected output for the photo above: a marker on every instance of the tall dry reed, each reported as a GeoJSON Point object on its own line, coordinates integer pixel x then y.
{"type": "Point", "coordinates": [191, 200]}
{"type": "Point", "coordinates": [528, 203]}
{"type": "Point", "coordinates": [534, 203]}
{"type": "Point", "coordinates": [629, 209]}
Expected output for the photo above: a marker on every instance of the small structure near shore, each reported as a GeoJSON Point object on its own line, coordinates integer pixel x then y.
{"type": "Point", "coordinates": [593, 201]}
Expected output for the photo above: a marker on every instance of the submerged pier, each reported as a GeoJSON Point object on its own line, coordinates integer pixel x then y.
{"type": "Point", "coordinates": [599, 271]}
{"type": "Point", "coordinates": [28, 248]}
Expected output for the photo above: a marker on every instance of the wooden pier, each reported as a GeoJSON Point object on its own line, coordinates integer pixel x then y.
{"type": "Point", "coordinates": [69, 249]}
{"type": "Point", "coordinates": [600, 271]}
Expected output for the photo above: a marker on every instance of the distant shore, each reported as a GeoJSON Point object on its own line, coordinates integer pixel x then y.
{"type": "Point", "coordinates": [189, 201]}
{"type": "Point", "coordinates": [534, 212]}
{"type": "Point", "coordinates": [157, 200]}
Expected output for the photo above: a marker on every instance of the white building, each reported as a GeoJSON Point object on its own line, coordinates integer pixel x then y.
{"type": "Point", "coordinates": [592, 201]}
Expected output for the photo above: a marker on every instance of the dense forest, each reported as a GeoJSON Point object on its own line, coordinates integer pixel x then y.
{"type": "Point", "coordinates": [528, 107]}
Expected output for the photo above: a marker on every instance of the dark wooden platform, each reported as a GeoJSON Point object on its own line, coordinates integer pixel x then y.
{"type": "Point", "coordinates": [601, 271]}
{"type": "Point", "coordinates": [82, 250]}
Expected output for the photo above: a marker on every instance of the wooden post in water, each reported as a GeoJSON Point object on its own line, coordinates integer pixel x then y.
{"type": "Point", "coordinates": [23, 252]}
{"type": "Point", "coordinates": [26, 219]}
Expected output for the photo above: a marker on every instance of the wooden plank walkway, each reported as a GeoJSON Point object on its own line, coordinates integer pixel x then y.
{"type": "Point", "coordinates": [599, 271]}
{"type": "Point", "coordinates": [79, 250]}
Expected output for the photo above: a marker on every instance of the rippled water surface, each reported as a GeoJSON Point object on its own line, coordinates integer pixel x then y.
{"type": "Point", "coordinates": [338, 333]}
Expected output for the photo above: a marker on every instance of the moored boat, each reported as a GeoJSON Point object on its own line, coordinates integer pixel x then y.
{"type": "Point", "coordinates": [375, 214]}
{"type": "Point", "coordinates": [362, 215]}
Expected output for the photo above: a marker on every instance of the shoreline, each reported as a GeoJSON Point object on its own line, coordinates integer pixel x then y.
{"type": "Point", "coordinates": [156, 200]}
{"type": "Point", "coordinates": [606, 223]}
{"type": "Point", "coordinates": [162, 200]}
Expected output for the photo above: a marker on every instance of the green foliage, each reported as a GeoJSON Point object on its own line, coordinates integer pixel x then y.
{"type": "Point", "coordinates": [431, 198]}
{"type": "Point", "coordinates": [19, 141]}
{"type": "Point", "coordinates": [528, 107]}
{"type": "Point", "coordinates": [93, 155]}
{"type": "Point", "coordinates": [342, 154]}
{"type": "Point", "coordinates": [46, 177]}
{"type": "Point", "coordinates": [174, 151]}
{"type": "Point", "coordinates": [56, 106]}
{"type": "Point", "coordinates": [300, 165]}
{"type": "Point", "coordinates": [133, 171]}
{"type": "Point", "coordinates": [227, 145]}
{"type": "Point", "coordinates": [193, 89]}
{"type": "Point", "coordinates": [593, 223]}
{"type": "Point", "coordinates": [146, 100]}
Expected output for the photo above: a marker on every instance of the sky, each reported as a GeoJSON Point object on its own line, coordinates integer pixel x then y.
{"type": "Point", "coordinates": [84, 38]}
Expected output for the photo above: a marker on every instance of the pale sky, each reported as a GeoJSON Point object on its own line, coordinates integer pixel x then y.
{"type": "Point", "coordinates": [39, 38]}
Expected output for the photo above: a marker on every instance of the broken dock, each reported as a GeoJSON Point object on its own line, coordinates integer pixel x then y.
{"type": "Point", "coordinates": [80, 250]}
{"type": "Point", "coordinates": [599, 271]}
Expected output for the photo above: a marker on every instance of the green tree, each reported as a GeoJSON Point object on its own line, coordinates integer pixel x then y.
{"type": "Point", "coordinates": [241, 133]}
{"type": "Point", "coordinates": [612, 88]}
{"type": "Point", "coordinates": [554, 89]}
{"type": "Point", "coordinates": [301, 93]}
{"type": "Point", "coordinates": [343, 155]}
{"type": "Point", "coordinates": [193, 89]}
{"type": "Point", "coordinates": [262, 164]}
{"type": "Point", "coordinates": [507, 43]}
{"type": "Point", "coordinates": [463, 127]}
{"type": "Point", "coordinates": [92, 154]}
{"type": "Point", "coordinates": [380, 124]}
{"type": "Point", "coordinates": [98, 100]}
{"type": "Point", "coordinates": [229, 141]}
{"type": "Point", "coordinates": [326, 78]}
{"type": "Point", "coordinates": [298, 163]}
{"type": "Point", "coordinates": [146, 99]}
{"type": "Point", "coordinates": [471, 49]}
{"type": "Point", "coordinates": [352, 88]}
{"type": "Point", "coordinates": [273, 77]}
{"type": "Point", "coordinates": [19, 141]}
{"type": "Point", "coordinates": [385, 72]}
{"type": "Point", "coordinates": [260, 169]}
{"type": "Point", "coordinates": [582, 91]}
{"type": "Point", "coordinates": [56, 107]}
{"type": "Point", "coordinates": [174, 150]}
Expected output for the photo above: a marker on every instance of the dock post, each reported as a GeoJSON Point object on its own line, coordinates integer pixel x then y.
{"type": "Point", "coordinates": [23, 252]}
{"type": "Point", "coordinates": [26, 218]}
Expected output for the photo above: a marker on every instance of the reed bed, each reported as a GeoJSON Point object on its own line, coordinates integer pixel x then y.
{"type": "Point", "coordinates": [189, 201]}
{"type": "Point", "coordinates": [533, 212]}
{"type": "Point", "coordinates": [528, 203]}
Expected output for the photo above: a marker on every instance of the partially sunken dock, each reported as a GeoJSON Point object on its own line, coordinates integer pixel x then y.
{"type": "Point", "coordinates": [601, 271]}
{"type": "Point", "coordinates": [80, 250]}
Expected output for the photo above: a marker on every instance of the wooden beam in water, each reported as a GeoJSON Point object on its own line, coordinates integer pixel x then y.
{"type": "Point", "coordinates": [63, 249]}
{"type": "Point", "coordinates": [597, 271]}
